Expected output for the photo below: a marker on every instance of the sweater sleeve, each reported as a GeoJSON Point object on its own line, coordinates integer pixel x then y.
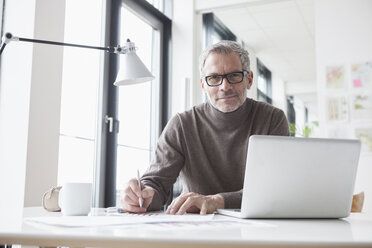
{"type": "Point", "coordinates": [232, 199]}
{"type": "Point", "coordinates": [166, 165]}
{"type": "Point", "coordinates": [279, 124]}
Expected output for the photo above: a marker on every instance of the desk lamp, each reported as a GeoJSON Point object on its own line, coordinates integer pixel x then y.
{"type": "Point", "coordinates": [133, 70]}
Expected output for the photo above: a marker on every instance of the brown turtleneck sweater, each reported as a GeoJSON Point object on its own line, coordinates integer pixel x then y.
{"type": "Point", "coordinates": [207, 149]}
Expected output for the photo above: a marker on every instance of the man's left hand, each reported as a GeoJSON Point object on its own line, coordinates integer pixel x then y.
{"type": "Point", "coordinates": [194, 203]}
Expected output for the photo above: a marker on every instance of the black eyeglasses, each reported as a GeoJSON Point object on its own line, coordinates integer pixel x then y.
{"type": "Point", "coordinates": [232, 77]}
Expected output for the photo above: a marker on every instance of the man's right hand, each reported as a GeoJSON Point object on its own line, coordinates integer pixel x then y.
{"type": "Point", "coordinates": [130, 197]}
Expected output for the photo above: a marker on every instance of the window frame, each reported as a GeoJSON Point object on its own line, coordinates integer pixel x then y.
{"type": "Point", "coordinates": [212, 25]}
{"type": "Point", "coordinates": [291, 113]}
{"type": "Point", "coordinates": [160, 21]}
{"type": "Point", "coordinates": [106, 147]}
{"type": "Point", "coordinates": [266, 74]}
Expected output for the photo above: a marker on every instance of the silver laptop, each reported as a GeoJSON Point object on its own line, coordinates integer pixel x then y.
{"type": "Point", "coordinates": [287, 177]}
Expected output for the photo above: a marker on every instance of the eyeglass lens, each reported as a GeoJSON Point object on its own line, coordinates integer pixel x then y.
{"type": "Point", "coordinates": [233, 78]}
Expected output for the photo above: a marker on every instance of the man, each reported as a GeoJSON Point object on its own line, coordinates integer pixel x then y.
{"type": "Point", "coordinates": [207, 145]}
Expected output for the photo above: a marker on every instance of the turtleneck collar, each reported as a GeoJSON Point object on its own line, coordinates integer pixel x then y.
{"type": "Point", "coordinates": [229, 119]}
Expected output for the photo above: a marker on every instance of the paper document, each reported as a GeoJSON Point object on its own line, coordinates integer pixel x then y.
{"type": "Point", "coordinates": [123, 219]}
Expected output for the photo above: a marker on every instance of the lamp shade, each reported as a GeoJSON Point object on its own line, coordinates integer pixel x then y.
{"type": "Point", "coordinates": [132, 70]}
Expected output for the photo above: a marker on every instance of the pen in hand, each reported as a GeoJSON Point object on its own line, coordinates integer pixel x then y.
{"type": "Point", "coordinates": [140, 200]}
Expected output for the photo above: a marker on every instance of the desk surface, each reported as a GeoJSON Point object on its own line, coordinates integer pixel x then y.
{"type": "Point", "coordinates": [354, 231]}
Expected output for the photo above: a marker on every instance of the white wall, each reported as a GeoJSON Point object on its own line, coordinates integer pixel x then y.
{"type": "Point", "coordinates": [343, 31]}
{"type": "Point", "coordinates": [186, 43]}
{"type": "Point", "coordinates": [30, 102]}
{"type": "Point", "coordinates": [279, 92]}
{"type": "Point", "coordinates": [299, 107]}
{"type": "Point", "coordinates": [15, 84]}
{"type": "Point", "coordinates": [45, 101]}
{"type": "Point", "coordinates": [252, 92]}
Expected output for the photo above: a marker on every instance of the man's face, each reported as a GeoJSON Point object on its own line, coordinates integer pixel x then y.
{"type": "Point", "coordinates": [225, 97]}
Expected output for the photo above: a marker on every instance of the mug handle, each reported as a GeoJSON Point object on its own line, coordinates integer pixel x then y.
{"type": "Point", "coordinates": [60, 198]}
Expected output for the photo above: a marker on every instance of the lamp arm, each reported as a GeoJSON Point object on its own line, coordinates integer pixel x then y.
{"type": "Point", "coordinates": [136, 71]}
{"type": "Point", "coordinates": [8, 37]}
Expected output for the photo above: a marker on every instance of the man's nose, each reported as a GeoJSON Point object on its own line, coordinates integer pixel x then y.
{"type": "Point", "coordinates": [225, 85]}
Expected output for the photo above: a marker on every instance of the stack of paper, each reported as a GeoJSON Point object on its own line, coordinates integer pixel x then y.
{"type": "Point", "coordinates": [123, 219]}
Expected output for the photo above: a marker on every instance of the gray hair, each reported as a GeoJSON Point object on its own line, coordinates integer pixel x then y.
{"type": "Point", "coordinates": [225, 47]}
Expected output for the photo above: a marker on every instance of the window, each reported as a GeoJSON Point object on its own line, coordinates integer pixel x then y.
{"type": "Point", "coordinates": [291, 113]}
{"type": "Point", "coordinates": [138, 104]}
{"type": "Point", "coordinates": [88, 151]}
{"type": "Point", "coordinates": [80, 81]}
{"type": "Point", "coordinates": [164, 6]}
{"type": "Point", "coordinates": [215, 30]}
{"type": "Point", "coordinates": [263, 83]}
{"type": "Point", "coordinates": [143, 109]}
{"type": "Point", "coordinates": [157, 4]}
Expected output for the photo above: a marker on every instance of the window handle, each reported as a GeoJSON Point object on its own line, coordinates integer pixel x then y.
{"type": "Point", "coordinates": [110, 121]}
{"type": "Point", "coordinates": [113, 124]}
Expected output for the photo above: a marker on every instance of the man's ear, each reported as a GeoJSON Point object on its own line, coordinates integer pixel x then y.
{"type": "Point", "coordinates": [202, 84]}
{"type": "Point", "coordinates": [250, 80]}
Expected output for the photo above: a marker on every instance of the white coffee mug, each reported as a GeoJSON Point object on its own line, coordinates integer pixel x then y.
{"type": "Point", "coordinates": [75, 198]}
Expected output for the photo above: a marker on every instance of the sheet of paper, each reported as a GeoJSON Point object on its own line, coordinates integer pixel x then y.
{"type": "Point", "coordinates": [122, 219]}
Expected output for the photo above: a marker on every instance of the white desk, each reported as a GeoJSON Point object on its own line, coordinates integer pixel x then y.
{"type": "Point", "coordinates": [355, 231]}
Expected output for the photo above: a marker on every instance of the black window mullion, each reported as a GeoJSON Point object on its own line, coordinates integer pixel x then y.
{"type": "Point", "coordinates": [166, 74]}
{"type": "Point", "coordinates": [105, 171]}
{"type": "Point", "coordinates": [112, 107]}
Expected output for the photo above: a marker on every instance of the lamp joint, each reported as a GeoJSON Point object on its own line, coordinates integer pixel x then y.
{"type": "Point", "coordinates": [8, 37]}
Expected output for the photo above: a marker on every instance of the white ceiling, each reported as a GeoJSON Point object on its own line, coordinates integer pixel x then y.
{"type": "Point", "coordinates": [280, 32]}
